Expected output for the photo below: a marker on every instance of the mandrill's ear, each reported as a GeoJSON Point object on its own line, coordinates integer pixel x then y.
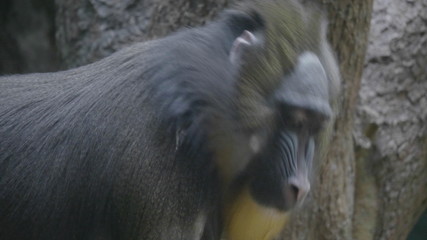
{"type": "Point", "coordinates": [247, 29]}
{"type": "Point", "coordinates": [245, 44]}
{"type": "Point", "coordinates": [240, 45]}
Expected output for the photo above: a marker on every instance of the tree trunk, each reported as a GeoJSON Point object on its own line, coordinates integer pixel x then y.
{"type": "Point", "coordinates": [391, 132]}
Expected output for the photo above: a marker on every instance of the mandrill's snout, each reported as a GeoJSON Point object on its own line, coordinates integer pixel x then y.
{"type": "Point", "coordinates": [295, 191]}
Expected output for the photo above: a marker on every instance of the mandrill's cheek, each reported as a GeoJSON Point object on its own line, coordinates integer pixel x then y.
{"type": "Point", "coordinates": [247, 220]}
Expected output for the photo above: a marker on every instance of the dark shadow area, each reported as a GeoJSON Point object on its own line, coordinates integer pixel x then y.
{"type": "Point", "coordinates": [27, 38]}
{"type": "Point", "coordinates": [419, 232]}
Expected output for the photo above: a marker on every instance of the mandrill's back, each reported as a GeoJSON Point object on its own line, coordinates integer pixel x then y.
{"type": "Point", "coordinates": [79, 149]}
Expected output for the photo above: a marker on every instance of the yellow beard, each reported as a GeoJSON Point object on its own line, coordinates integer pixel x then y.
{"type": "Point", "coordinates": [247, 220]}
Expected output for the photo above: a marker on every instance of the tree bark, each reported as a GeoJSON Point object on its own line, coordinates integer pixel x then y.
{"type": "Point", "coordinates": [390, 131]}
{"type": "Point", "coordinates": [90, 30]}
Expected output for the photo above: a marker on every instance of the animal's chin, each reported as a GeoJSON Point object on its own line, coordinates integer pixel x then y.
{"type": "Point", "coordinates": [248, 220]}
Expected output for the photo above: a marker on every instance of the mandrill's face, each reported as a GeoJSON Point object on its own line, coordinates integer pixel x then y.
{"type": "Point", "coordinates": [288, 76]}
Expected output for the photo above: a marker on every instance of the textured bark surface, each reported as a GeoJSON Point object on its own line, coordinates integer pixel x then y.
{"type": "Point", "coordinates": [93, 29]}
{"type": "Point", "coordinates": [391, 130]}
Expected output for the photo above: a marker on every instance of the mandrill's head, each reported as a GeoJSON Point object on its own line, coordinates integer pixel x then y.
{"type": "Point", "coordinates": [287, 78]}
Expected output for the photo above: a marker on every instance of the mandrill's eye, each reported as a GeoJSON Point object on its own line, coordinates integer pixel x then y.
{"type": "Point", "coordinates": [299, 118]}
{"type": "Point", "coordinates": [317, 124]}
{"type": "Point", "coordinates": [294, 118]}
{"type": "Point", "coordinates": [302, 120]}
{"type": "Point", "coordinates": [315, 128]}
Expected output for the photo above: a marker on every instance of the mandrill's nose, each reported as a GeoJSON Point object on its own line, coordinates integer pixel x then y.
{"type": "Point", "coordinates": [295, 191]}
